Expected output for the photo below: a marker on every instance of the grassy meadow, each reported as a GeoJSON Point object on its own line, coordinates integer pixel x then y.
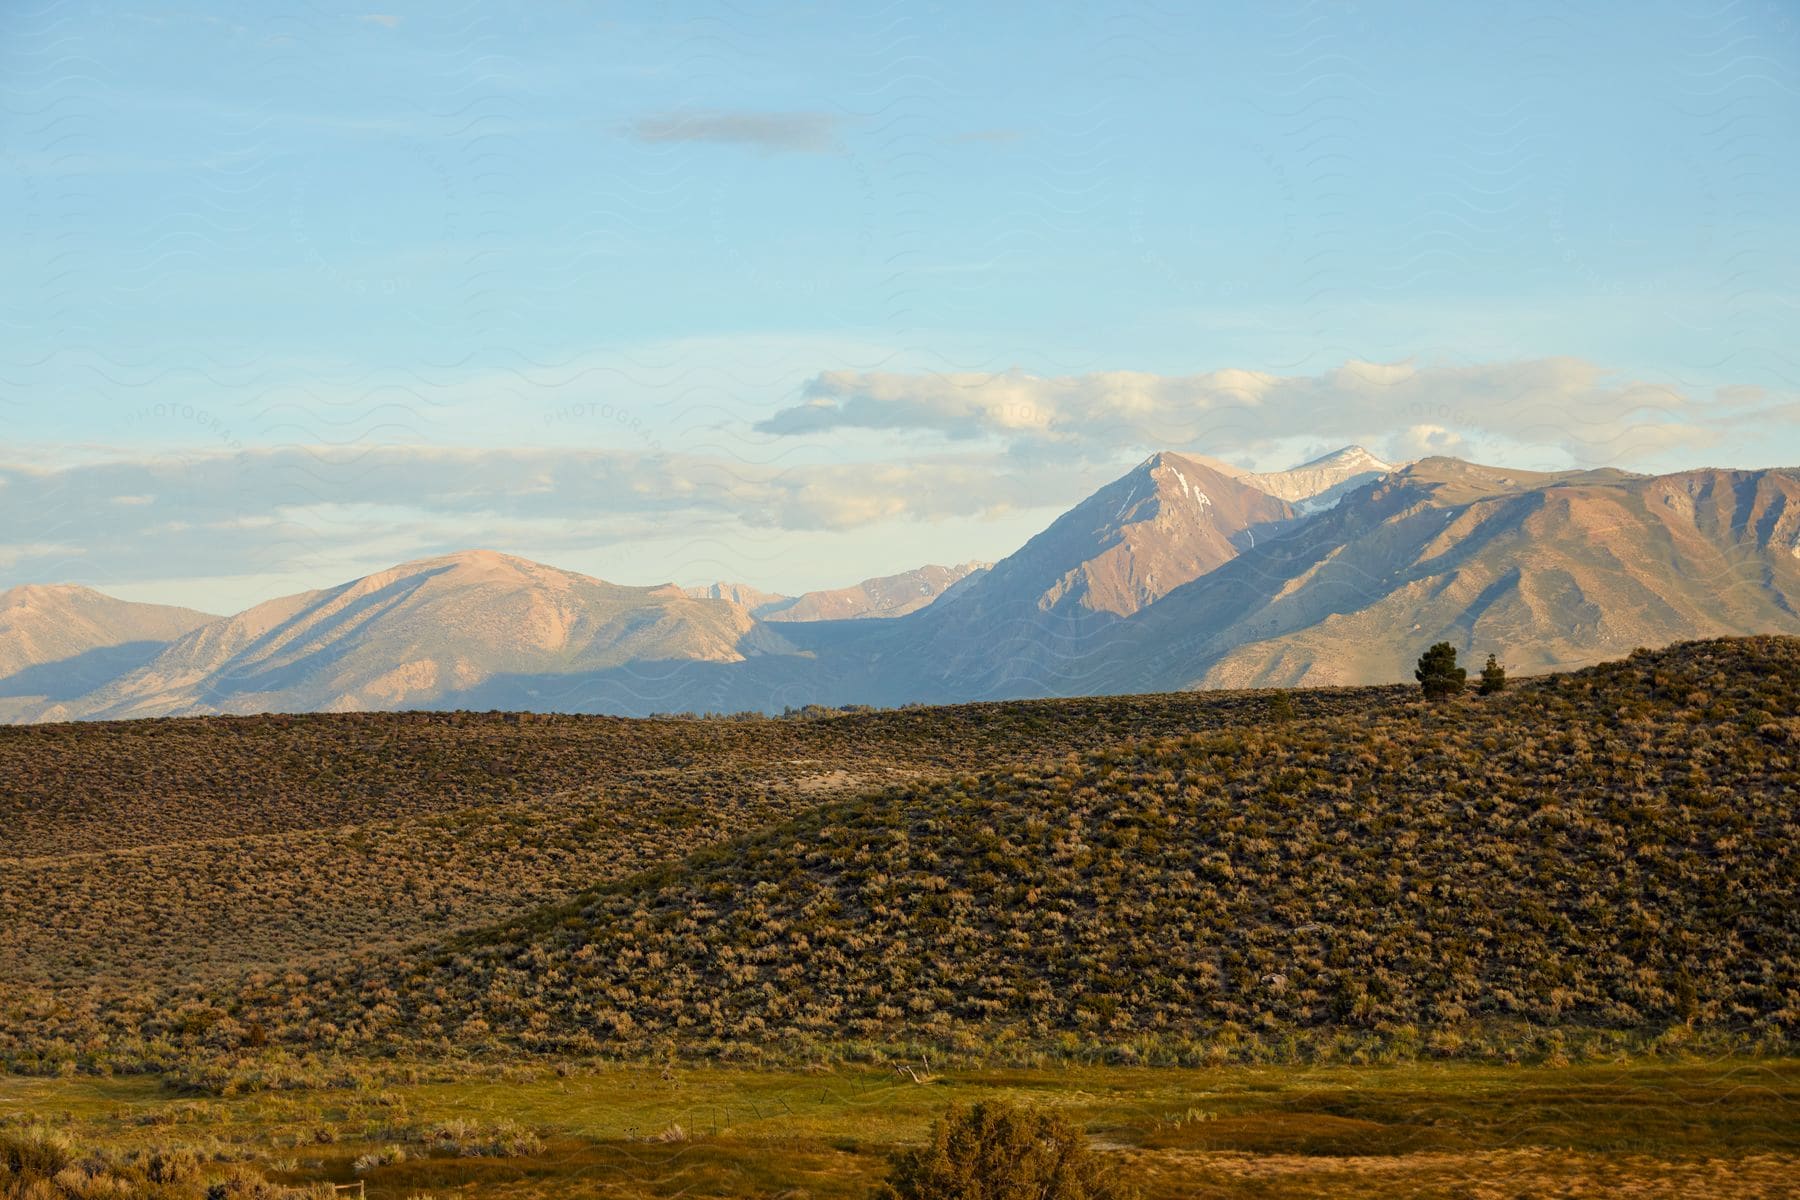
{"type": "Point", "coordinates": [1692, 1128]}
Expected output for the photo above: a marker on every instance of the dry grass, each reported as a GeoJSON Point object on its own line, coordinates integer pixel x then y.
{"type": "Point", "coordinates": [1705, 1129]}
{"type": "Point", "coordinates": [1484, 1175]}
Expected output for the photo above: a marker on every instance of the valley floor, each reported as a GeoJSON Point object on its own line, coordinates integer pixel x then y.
{"type": "Point", "coordinates": [1646, 1128]}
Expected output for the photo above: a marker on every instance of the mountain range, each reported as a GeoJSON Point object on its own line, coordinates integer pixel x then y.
{"type": "Point", "coordinates": [1185, 572]}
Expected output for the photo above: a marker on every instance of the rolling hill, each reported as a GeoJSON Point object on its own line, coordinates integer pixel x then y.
{"type": "Point", "coordinates": [169, 852]}
{"type": "Point", "coordinates": [1604, 852]}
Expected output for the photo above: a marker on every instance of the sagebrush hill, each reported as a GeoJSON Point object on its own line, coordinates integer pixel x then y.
{"type": "Point", "coordinates": [1607, 853]}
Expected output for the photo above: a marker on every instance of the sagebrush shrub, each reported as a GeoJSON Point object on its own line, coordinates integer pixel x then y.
{"type": "Point", "coordinates": [997, 1151]}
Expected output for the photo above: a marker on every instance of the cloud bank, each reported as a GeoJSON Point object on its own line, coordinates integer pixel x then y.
{"type": "Point", "coordinates": [1574, 406]}
{"type": "Point", "coordinates": [265, 512]}
{"type": "Point", "coordinates": [1009, 447]}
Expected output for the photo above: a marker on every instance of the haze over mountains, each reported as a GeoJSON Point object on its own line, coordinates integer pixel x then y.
{"type": "Point", "coordinates": [883, 596]}
{"type": "Point", "coordinates": [1185, 572]}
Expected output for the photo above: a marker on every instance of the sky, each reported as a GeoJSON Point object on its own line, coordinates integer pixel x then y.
{"type": "Point", "coordinates": [799, 294]}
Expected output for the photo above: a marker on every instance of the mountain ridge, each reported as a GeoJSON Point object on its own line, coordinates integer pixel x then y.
{"type": "Point", "coordinates": [1483, 557]}
{"type": "Point", "coordinates": [503, 610]}
{"type": "Point", "coordinates": [1169, 520]}
{"type": "Point", "coordinates": [1178, 574]}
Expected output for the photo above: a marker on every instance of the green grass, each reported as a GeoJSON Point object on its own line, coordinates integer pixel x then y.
{"type": "Point", "coordinates": [1248, 1130]}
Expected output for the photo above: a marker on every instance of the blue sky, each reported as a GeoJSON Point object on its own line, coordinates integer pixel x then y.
{"type": "Point", "coordinates": [263, 265]}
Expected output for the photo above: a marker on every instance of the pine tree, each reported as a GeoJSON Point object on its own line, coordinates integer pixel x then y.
{"type": "Point", "coordinates": [1493, 678]}
{"type": "Point", "coordinates": [1438, 674]}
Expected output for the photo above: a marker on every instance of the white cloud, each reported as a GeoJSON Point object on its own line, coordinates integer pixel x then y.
{"type": "Point", "coordinates": [1579, 409]}
{"type": "Point", "coordinates": [1423, 441]}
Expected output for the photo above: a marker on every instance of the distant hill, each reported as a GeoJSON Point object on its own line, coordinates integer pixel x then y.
{"type": "Point", "coordinates": [402, 637]}
{"type": "Point", "coordinates": [59, 641]}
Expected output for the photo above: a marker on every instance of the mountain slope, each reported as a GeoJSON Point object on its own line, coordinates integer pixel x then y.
{"type": "Point", "coordinates": [403, 637]}
{"type": "Point", "coordinates": [1169, 520]}
{"type": "Point", "coordinates": [1315, 485]}
{"type": "Point", "coordinates": [58, 641]}
{"type": "Point", "coordinates": [1543, 570]}
{"type": "Point", "coordinates": [1041, 621]}
{"type": "Point", "coordinates": [1038, 622]}
{"type": "Point", "coordinates": [1178, 574]}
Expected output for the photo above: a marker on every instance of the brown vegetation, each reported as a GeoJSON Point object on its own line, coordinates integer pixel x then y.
{"type": "Point", "coordinates": [1609, 850]}
{"type": "Point", "coordinates": [157, 855]}
{"type": "Point", "coordinates": [42, 1164]}
{"type": "Point", "coordinates": [999, 1151]}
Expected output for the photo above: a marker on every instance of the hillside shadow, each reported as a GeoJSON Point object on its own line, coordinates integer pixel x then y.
{"type": "Point", "coordinates": [319, 645]}
{"type": "Point", "coordinates": [70, 678]}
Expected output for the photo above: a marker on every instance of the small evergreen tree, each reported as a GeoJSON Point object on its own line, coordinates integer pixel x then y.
{"type": "Point", "coordinates": [1493, 678]}
{"type": "Point", "coordinates": [1281, 708]}
{"type": "Point", "coordinates": [995, 1151]}
{"type": "Point", "coordinates": [1438, 674]}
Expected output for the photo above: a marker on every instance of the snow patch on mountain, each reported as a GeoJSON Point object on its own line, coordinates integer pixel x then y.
{"type": "Point", "coordinates": [1314, 486]}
